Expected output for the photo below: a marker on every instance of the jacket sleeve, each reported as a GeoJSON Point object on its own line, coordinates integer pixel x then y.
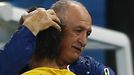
{"type": "Point", "coordinates": [89, 66]}
{"type": "Point", "coordinates": [16, 53]}
{"type": "Point", "coordinates": [98, 68]}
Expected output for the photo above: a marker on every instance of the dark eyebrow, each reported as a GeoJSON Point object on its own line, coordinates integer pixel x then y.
{"type": "Point", "coordinates": [90, 30]}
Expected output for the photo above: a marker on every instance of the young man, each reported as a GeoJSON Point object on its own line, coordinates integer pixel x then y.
{"type": "Point", "coordinates": [75, 23]}
{"type": "Point", "coordinates": [44, 58]}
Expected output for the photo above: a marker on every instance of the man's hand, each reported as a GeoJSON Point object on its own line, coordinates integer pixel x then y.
{"type": "Point", "coordinates": [41, 19]}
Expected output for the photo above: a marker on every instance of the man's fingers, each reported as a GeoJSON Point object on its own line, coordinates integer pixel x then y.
{"type": "Point", "coordinates": [52, 15]}
{"type": "Point", "coordinates": [55, 18]}
{"type": "Point", "coordinates": [51, 11]}
{"type": "Point", "coordinates": [55, 25]}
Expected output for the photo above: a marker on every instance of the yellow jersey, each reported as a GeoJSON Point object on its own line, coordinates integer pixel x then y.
{"type": "Point", "coordinates": [48, 71]}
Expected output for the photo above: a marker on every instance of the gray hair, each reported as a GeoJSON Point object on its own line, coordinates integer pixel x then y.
{"type": "Point", "coordinates": [61, 7]}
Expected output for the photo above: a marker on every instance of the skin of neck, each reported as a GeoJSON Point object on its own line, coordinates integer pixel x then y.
{"type": "Point", "coordinates": [43, 63]}
{"type": "Point", "coordinates": [62, 64]}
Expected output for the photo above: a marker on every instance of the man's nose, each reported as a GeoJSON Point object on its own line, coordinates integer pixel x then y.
{"type": "Point", "coordinates": [83, 39]}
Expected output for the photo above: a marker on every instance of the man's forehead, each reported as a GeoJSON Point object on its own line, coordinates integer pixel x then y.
{"type": "Point", "coordinates": [79, 11]}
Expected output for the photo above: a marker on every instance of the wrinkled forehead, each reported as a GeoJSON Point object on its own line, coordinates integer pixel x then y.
{"type": "Point", "coordinates": [78, 12]}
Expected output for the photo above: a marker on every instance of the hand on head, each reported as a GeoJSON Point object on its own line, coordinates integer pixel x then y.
{"type": "Point", "coordinates": [41, 19]}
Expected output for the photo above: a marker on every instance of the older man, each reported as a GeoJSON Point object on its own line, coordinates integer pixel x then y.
{"type": "Point", "coordinates": [75, 26]}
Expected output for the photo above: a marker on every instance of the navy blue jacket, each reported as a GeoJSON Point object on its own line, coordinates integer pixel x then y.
{"type": "Point", "coordinates": [16, 53]}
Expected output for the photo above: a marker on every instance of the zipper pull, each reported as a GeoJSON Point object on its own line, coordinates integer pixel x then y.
{"type": "Point", "coordinates": [106, 71]}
